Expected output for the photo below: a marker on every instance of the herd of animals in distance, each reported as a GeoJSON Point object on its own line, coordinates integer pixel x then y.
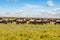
{"type": "Point", "coordinates": [41, 21]}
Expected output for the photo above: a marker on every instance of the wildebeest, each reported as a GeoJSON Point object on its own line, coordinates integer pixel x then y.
{"type": "Point", "coordinates": [11, 20]}
{"type": "Point", "coordinates": [57, 22]}
{"type": "Point", "coordinates": [2, 20]}
{"type": "Point", "coordinates": [46, 21]}
{"type": "Point", "coordinates": [22, 21]}
{"type": "Point", "coordinates": [40, 21]}
{"type": "Point", "coordinates": [34, 21]}
{"type": "Point", "coordinates": [52, 20]}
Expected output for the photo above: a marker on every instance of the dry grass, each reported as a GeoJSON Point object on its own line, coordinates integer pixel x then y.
{"type": "Point", "coordinates": [29, 32]}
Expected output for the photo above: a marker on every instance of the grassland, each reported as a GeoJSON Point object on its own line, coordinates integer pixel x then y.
{"type": "Point", "coordinates": [29, 32]}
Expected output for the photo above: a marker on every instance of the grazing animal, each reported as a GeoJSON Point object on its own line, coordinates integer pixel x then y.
{"type": "Point", "coordinates": [22, 21]}
{"type": "Point", "coordinates": [32, 21]}
{"type": "Point", "coordinates": [3, 21]}
{"type": "Point", "coordinates": [57, 22]}
{"type": "Point", "coordinates": [39, 21]}
{"type": "Point", "coordinates": [53, 20]}
{"type": "Point", "coordinates": [45, 21]}
{"type": "Point", "coordinates": [11, 20]}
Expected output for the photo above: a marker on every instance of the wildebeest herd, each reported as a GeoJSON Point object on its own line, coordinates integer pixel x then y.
{"type": "Point", "coordinates": [30, 21]}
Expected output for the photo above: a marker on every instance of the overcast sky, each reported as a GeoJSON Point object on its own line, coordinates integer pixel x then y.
{"type": "Point", "coordinates": [30, 8]}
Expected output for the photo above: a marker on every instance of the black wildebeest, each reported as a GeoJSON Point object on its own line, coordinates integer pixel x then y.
{"type": "Point", "coordinates": [2, 20]}
{"type": "Point", "coordinates": [57, 22]}
{"type": "Point", "coordinates": [22, 21]}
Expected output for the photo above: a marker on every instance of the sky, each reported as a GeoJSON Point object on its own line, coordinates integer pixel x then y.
{"type": "Point", "coordinates": [30, 8]}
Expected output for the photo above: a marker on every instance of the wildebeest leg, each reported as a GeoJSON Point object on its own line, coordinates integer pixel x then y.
{"type": "Point", "coordinates": [22, 22]}
{"type": "Point", "coordinates": [45, 22]}
{"type": "Point", "coordinates": [5, 22]}
{"type": "Point", "coordinates": [11, 21]}
{"type": "Point", "coordinates": [17, 22]}
{"type": "Point", "coordinates": [55, 23]}
{"type": "Point", "coordinates": [34, 23]}
{"type": "Point", "coordinates": [58, 23]}
{"type": "Point", "coordinates": [49, 22]}
{"type": "Point", "coordinates": [42, 23]}
{"type": "Point", "coordinates": [29, 22]}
